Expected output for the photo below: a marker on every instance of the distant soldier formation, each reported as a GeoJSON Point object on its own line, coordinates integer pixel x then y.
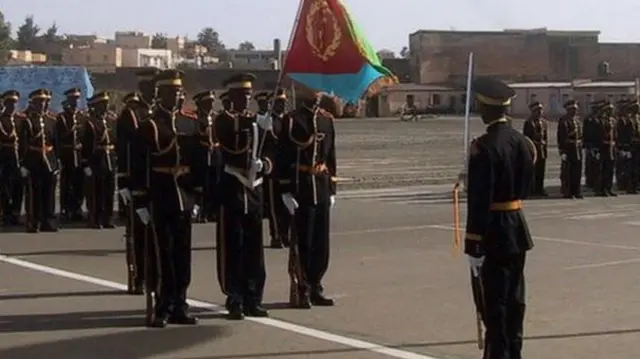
{"type": "Point", "coordinates": [604, 145]}
{"type": "Point", "coordinates": [170, 167]}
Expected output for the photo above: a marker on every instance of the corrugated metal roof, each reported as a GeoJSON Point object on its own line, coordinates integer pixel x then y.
{"type": "Point", "coordinates": [524, 85]}
{"type": "Point", "coordinates": [607, 84]}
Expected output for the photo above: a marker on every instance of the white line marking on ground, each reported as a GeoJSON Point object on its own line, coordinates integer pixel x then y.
{"type": "Point", "coordinates": [275, 323]}
{"type": "Point", "coordinates": [603, 264]}
{"type": "Point", "coordinates": [558, 240]}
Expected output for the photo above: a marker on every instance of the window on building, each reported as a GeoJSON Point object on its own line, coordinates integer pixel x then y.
{"type": "Point", "coordinates": [435, 99]}
{"type": "Point", "coordinates": [410, 100]}
{"type": "Point", "coordinates": [565, 98]}
{"type": "Point", "coordinates": [533, 98]}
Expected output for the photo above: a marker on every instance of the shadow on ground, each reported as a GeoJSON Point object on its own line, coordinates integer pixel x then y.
{"type": "Point", "coordinates": [137, 344]}
{"type": "Point", "coordinates": [30, 323]}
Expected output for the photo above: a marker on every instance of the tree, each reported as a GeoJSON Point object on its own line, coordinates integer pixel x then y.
{"type": "Point", "coordinates": [210, 39]}
{"type": "Point", "coordinates": [27, 34]}
{"type": "Point", "coordinates": [5, 40]}
{"type": "Point", "coordinates": [51, 35]}
{"type": "Point", "coordinates": [404, 53]}
{"type": "Point", "coordinates": [247, 46]}
{"type": "Point", "coordinates": [159, 41]}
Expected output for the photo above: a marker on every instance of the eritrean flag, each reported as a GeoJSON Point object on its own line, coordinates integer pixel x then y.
{"type": "Point", "coordinates": [329, 53]}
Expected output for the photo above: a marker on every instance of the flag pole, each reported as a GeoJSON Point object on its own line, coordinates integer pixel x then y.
{"type": "Point", "coordinates": [281, 73]}
{"type": "Point", "coordinates": [467, 109]}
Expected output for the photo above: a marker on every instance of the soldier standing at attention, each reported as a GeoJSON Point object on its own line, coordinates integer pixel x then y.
{"type": "Point", "coordinates": [165, 179]}
{"type": "Point", "coordinates": [501, 165]}
{"type": "Point", "coordinates": [10, 184]}
{"type": "Point", "coordinates": [569, 137]}
{"type": "Point", "coordinates": [264, 117]}
{"type": "Point", "coordinates": [279, 217]}
{"type": "Point", "coordinates": [624, 129]}
{"type": "Point", "coordinates": [99, 161]}
{"type": "Point", "coordinates": [205, 102]}
{"type": "Point", "coordinates": [634, 117]}
{"type": "Point", "coordinates": [306, 165]}
{"type": "Point", "coordinates": [241, 270]}
{"type": "Point", "coordinates": [138, 109]}
{"type": "Point", "coordinates": [606, 142]}
{"type": "Point", "coordinates": [69, 145]}
{"type": "Point", "coordinates": [39, 167]}
{"type": "Point", "coordinates": [589, 129]}
{"type": "Point", "coordinates": [536, 129]}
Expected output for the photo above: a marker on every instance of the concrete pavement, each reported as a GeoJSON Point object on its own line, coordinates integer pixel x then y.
{"type": "Point", "coordinates": [400, 291]}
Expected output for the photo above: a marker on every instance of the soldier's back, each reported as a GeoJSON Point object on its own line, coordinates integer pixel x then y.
{"type": "Point", "coordinates": [507, 158]}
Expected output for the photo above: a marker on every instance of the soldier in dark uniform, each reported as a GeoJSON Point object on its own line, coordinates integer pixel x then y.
{"type": "Point", "coordinates": [99, 161]}
{"type": "Point", "coordinates": [139, 107]}
{"type": "Point", "coordinates": [634, 118]}
{"type": "Point", "coordinates": [10, 183]}
{"type": "Point", "coordinates": [606, 141]}
{"type": "Point", "coordinates": [625, 130]}
{"type": "Point", "coordinates": [69, 144]}
{"type": "Point", "coordinates": [589, 130]}
{"type": "Point", "coordinates": [536, 128]}
{"type": "Point", "coordinates": [39, 163]}
{"type": "Point", "coordinates": [262, 117]}
{"type": "Point", "coordinates": [241, 270]}
{"type": "Point", "coordinates": [569, 137]}
{"type": "Point", "coordinates": [306, 165]}
{"type": "Point", "coordinates": [501, 165]}
{"type": "Point", "coordinates": [279, 217]}
{"type": "Point", "coordinates": [165, 180]}
{"type": "Point", "coordinates": [210, 153]}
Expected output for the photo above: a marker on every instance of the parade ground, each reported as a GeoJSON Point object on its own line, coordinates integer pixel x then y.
{"type": "Point", "coordinates": [401, 290]}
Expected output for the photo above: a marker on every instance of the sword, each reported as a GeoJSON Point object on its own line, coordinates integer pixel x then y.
{"type": "Point", "coordinates": [478, 299]}
{"type": "Point", "coordinates": [254, 153]}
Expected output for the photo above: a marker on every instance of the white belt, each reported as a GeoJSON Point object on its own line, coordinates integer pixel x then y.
{"type": "Point", "coordinates": [237, 173]}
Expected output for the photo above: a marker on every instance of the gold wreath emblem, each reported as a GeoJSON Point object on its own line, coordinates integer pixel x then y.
{"type": "Point", "coordinates": [319, 21]}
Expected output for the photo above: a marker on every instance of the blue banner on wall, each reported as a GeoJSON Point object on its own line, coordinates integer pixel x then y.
{"type": "Point", "coordinates": [58, 79]}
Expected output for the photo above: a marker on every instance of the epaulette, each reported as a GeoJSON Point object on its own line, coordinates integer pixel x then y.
{"type": "Point", "coordinates": [325, 113]}
{"type": "Point", "coordinates": [189, 113]}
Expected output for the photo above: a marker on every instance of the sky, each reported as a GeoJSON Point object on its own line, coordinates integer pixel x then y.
{"type": "Point", "coordinates": [387, 23]}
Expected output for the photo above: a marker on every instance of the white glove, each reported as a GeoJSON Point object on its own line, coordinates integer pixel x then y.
{"type": "Point", "coordinates": [24, 172]}
{"type": "Point", "coordinates": [332, 199]}
{"type": "Point", "coordinates": [265, 122]}
{"type": "Point", "coordinates": [144, 215]}
{"type": "Point", "coordinates": [475, 264]}
{"type": "Point", "coordinates": [629, 155]}
{"type": "Point", "coordinates": [195, 211]}
{"type": "Point", "coordinates": [87, 171]}
{"type": "Point", "coordinates": [289, 202]}
{"type": "Point", "coordinates": [563, 157]}
{"type": "Point", "coordinates": [257, 166]}
{"type": "Point", "coordinates": [125, 194]}
{"type": "Point", "coordinates": [597, 156]}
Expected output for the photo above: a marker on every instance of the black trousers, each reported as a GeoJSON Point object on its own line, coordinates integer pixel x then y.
{"type": "Point", "coordinates": [635, 167]}
{"type": "Point", "coordinates": [172, 247]}
{"type": "Point", "coordinates": [538, 175]}
{"type": "Point", "coordinates": [279, 217]}
{"type": "Point", "coordinates": [240, 256]}
{"type": "Point", "coordinates": [10, 191]}
{"type": "Point", "coordinates": [71, 189]}
{"type": "Point", "coordinates": [504, 297]}
{"type": "Point", "coordinates": [571, 176]}
{"type": "Point", "coordinates": [312, 228]}
{"type": "Point", "coordinates": [102, 186]}
{"type": "Point", "coordinates": [137, 233]}
{"type": "Point", "coordinates": [40, 200]}
{"type": "Point", "coordinates": [590, 169]}
{"type": "Point", "coordinates": [607, 168]}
